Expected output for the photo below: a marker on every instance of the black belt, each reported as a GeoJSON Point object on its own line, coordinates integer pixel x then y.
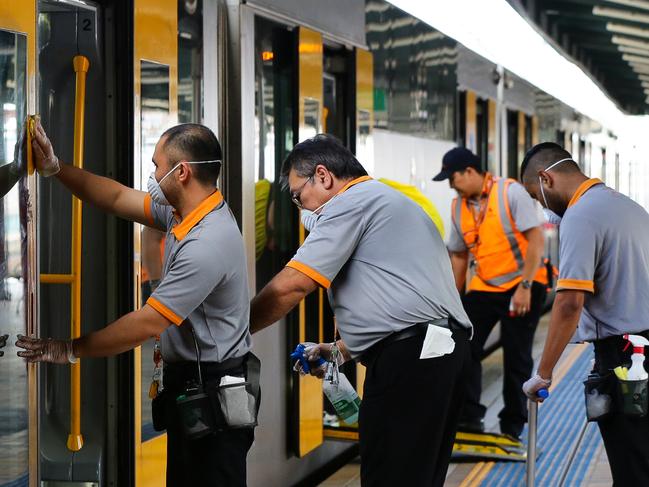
{"type": "Point", "coordinates": [177, 373]}
{"type": "Point", "coordinates": [411, 331]}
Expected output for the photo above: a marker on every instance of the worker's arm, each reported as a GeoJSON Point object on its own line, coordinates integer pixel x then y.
{"type": "Point", "coordinates": [279, 297]}
{"type": "Point", "coordinates": [122, 335]}
{"type": "Point", "coordinates": [566, 310]}
{"type": "Point", "coordinates": [460, 264]}
{"type": "Point", "coordinates": [522, 298]}
{"type": "Point", "coordinates": [104, 193]}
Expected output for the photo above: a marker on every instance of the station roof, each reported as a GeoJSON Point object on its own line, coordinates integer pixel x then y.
{"type": "Point", "coordinates": [608, 38]}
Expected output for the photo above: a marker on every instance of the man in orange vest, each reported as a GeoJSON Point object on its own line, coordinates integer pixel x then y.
{"type": "Point", "coordinates": [497, 231]}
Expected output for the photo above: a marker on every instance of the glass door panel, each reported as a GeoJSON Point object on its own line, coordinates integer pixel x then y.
{"type": "Point", "coordinates": [14, 265]}
{"type": "Point", "coordinates": [154, 120]}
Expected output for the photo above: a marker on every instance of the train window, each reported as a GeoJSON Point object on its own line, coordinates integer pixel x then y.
{"type": "Point", "coordinates": [482, 129]}
{"type": "Point", "coordinates": [13, 260]}
{"type": "Point", "coordinates": [276, 227]}
{"type": "Point", "coordinates": [154, 120]}
{"type": "Point", "coordinates": [190, 61]}
{"type": "Point", "coordinates": [415, 73]}
{"type": "Point", "coordinates": [512, 144]}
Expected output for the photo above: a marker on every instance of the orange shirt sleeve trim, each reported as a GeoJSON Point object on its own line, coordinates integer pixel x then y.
{"type": "Point", "coordinates": [309, 272]}
{"type": "Point", "coordinates": [578, 284]}
{"type": "Point", "coordinates": [164, 311]}
{"type": "Point", "coordinates": [147, 210]}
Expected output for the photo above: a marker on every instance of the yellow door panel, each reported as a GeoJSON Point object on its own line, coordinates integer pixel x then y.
{"type": "Point", "coordinates": [310, 74]}
{"type": "Point", "coordinates": [155, 43]}
{"type": "Point", "coordinates": [471, 122]}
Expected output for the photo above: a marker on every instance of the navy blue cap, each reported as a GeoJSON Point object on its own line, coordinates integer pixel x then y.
{"type": "Point", "coordinates": [457, 159]}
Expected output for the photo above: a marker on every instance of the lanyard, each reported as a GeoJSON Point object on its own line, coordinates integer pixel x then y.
{"type": "Point", "coordinates": [479, 217]}
{"type": "Point", "coordinates": [156, 381]}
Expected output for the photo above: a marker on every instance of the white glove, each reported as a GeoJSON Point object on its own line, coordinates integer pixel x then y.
{"type": "Point", "coordinates": [3, 342]}
{"type": "Point", "coordinates": [45, 160]}
{"type": "Point", "coordinates": [531, 387]}
{"type": "Point", "coordinates": [46, 350]}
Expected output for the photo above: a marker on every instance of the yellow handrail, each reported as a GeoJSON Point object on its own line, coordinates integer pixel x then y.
{"type": "Point", "coordinates": [75, 438]}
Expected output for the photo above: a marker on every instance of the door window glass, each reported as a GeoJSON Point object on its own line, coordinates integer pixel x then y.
{"type": "Point", "coordinates": [13, 261]}
{"type": "Point", "coordinates": [155, 119]}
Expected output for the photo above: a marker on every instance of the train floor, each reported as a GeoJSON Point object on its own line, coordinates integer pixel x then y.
{"type": "Point", "coordinates": [571, 452]}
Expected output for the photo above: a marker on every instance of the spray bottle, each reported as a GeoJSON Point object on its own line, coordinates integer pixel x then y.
{"type": "Point", "coordinates": [637, 370]}
{"type": "Point", "coordinates": [335, 385]}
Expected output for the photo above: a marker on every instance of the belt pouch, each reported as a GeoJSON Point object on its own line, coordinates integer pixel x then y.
{"type": "Point", "coordinates": [237, 405]}
{"type": "Point", "coordinates": [633, 397]}
{"type": "Point", "coordinates": [159, 411]}
{"type": "Point", "coordinates": [599, 394]}
{"type": "Point", "coordinates": [196, 413]}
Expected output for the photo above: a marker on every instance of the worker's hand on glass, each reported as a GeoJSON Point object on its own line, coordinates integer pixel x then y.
{"type": "Point", "coordinates": [46, 162]}
{"type": "Point", "coordinates": [521, 301]}
{"type": "Point", "coordinates": [45, 350]}
{"type": "Point", "coordinates": [535, 384]}
{"type": "Point", "coordinates": [3, 342]}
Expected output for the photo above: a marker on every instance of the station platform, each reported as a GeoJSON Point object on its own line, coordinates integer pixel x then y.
{"type": "Point", "coordinates": [572, 452]}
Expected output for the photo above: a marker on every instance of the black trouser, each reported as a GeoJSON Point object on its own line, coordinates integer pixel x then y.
{"type": "Point", "coordinates": [485, 309]}
{"type": "Point", "coordinates": [626, 439]}
{"type": "Point", "coordinates": [408, 416]}
{"type": "Point", "coordinates": [217, 460]}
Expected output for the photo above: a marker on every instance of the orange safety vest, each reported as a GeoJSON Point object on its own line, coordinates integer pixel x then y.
{"type": "Point", "coordinates": [497, 246]}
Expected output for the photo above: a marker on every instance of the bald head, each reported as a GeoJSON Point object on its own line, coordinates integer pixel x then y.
{"type": "Point", "coordinates": [542, 156]}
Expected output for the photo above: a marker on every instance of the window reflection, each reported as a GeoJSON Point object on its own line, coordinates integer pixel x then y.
{"type": "Point", "coordinates": [415, 77]}
{"type": "Point", "coordinates": [13, 261]}
{"type": "Point", "coordinates": [190, 61]}
{"type": "Point", "coordinates": [275, 215]}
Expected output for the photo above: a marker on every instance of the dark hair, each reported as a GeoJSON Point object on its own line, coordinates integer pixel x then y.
{"type": "Point", "coordinates": [543, 154]}
{"type": "Point", "coordinates": [194, 142]}
{"type": "Point", "coordinates": [322, 149]}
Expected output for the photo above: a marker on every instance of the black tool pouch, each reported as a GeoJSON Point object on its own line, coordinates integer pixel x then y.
{"type": "Point", "coordinates": [599, 392]}
{"type": "Point", "coordinates": [237, 405]}
{"type": "Point", "coordinates": [196, 413]}
{"type": "Point", "coordinates": [159, 411]}
{"type": "Point", "coordinates": [633, 397]}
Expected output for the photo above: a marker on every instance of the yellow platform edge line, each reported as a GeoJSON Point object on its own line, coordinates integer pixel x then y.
{"type": "Point", "coordinates": [480, 471]}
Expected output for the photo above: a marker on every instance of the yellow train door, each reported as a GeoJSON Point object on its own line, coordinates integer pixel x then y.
{"type": "Point", "coordinates": [156, 109]}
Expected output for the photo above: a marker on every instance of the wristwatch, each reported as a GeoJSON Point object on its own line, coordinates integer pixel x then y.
{"type": "Point", "coordinates": [526, 284]}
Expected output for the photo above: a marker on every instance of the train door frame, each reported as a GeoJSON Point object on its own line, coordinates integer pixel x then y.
{"type": "Point", "coordinates": [240, 118]}
{"type": "Point", "coordinates": [154, 41]}
{"type": "Point", "coordinates": [23, 21]}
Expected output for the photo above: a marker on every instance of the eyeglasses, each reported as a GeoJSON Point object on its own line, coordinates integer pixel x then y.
{"type": "Point", "coordinates": [295, 196]}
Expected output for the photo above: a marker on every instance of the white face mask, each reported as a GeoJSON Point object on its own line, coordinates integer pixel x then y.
{"type": "Point", "coordinates": [310, 218]}
{"type": "Point", "coordinates": [550, 215]}
{"type": "Point", "coordinates": [153, 186]}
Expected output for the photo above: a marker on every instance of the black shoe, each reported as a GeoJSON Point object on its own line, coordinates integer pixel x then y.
{"type": "Point", "coordinates": [471, 426]}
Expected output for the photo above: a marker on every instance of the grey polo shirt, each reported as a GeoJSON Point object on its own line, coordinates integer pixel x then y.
{"type": "Point", "coordinates": [525, 212]}
{"type": "Point", "coordinates": [204, 282]}
{"type": "Point", "coordinates": [604, 250]}
{"type": "Point", "coordinates": [383, 262]}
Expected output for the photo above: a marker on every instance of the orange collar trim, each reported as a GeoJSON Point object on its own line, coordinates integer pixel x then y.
{"type": "Point", "coordinates": [181, 230]}
{"type": "Point", "coordinates": [583, 187]}
{"type": "Point", "coordinates": [354, 182]}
